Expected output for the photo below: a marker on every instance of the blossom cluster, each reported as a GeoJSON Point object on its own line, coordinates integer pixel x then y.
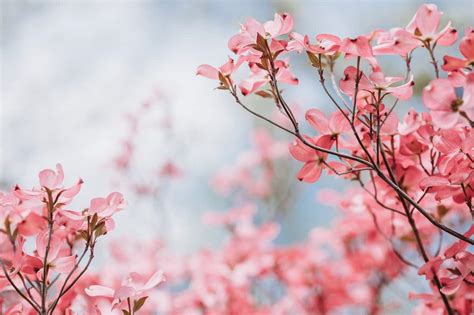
{"type": "Point", "coordinates": [47, 248]}
{"type": "Point", "coordinates": [418, 169]}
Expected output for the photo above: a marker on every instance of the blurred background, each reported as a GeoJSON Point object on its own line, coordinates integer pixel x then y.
{"type": "Point", "coordinates": [71, 72]}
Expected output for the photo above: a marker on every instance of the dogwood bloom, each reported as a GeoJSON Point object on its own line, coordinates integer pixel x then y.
{"type": "Point", "coordinates": [334, 126]}
{"type": "Point", "coordinates": [425, 23]}
{"type": "Point", "coordinates": [240, 43]}
{"type": "Point", "coordinates": [314, 160]}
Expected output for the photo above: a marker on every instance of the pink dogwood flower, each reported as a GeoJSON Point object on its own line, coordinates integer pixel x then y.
{"type": "Point", "coordinates": [455, 266]}
{"type": "Point", "coordinates": [334, 126]}
{"type": "Point", "coordinates": [425, 23]}
{"type": "Point", "coordinates": [240, 43]}
{"type": "Point", "coordinates": [314, 160]}
{"type": "Point", "coordinates": [52, 181]}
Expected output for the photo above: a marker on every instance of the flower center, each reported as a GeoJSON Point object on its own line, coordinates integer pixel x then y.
{"type": "Point", "coordinates": [456, 104]}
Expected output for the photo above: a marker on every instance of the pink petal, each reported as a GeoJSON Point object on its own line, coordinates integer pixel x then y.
{"type": "Point", "coordinates": [433, 181]}
{"type": "Point", "coordinates": [426, 19]}
{"type": "Point", "coordinates": [287, 24]}
{"type": "Point", "coordinates": [467, 44]}
{"type": "Point", "coordinates": [286, 76]}
{"type": "Point", "coordinates": [444, 120]}
{"type": "Point", "coordinates": [64, 264]}
{"type": "Point", "coordinates": [99, 290]}
{"type": "Point", "coordinates": [208, 72]}
{"type": "Point", "coordinates": [450, 286]}
{"type": "Point", "coordinates": [125, 292]}
{"type": "Point", "coordinates": [73, 215]}
{"type": "Point", "coordinates": [50, 179]}
{"type": "Point", "coordinates": [72, 191]}
{"type": "Point", "coordinates": [452, 63]}
{"type": "Point", "coordinates": [439, 95]}
{"type": "Point", "coordinates": [310, 172]}
{"type": "Point", "coordinates": [447, 36]}
{"type": "Point", "coordinates": [468, 96]}
{"type": "Point", "coordinates": [318, 120]}
{"type": "Point", "coordinates": [338, 123]}
{"type": "Point", "coordinates": [154, 280]}
{"type": "Point", "coordinates": [250, 85]}
{"type": "Point", "coordinates": [402, 92]}
{"type": "Point", "coordinates": [301, 151]}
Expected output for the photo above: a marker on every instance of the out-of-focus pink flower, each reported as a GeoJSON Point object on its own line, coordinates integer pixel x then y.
{"type": "Point", "coordinates": [133, 288]}
{"type": "Point", "coordinates": [171, 170]}
{"type": "Point", "coordinates": [16, 309]}
{"type": "Point", "coordinates": [445, 107]}
{"type": "Point", "coordinates": [232, 216]}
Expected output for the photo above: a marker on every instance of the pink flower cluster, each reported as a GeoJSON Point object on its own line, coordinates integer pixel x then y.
{"type": "Point", "coordinates": [410, 212]}
{"type": "Point", "coordinates": [334, 269]}
{"type": "Point", "coordinates": [418, 169]}
{"type": "Point", "coordinates": [46, 247]}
